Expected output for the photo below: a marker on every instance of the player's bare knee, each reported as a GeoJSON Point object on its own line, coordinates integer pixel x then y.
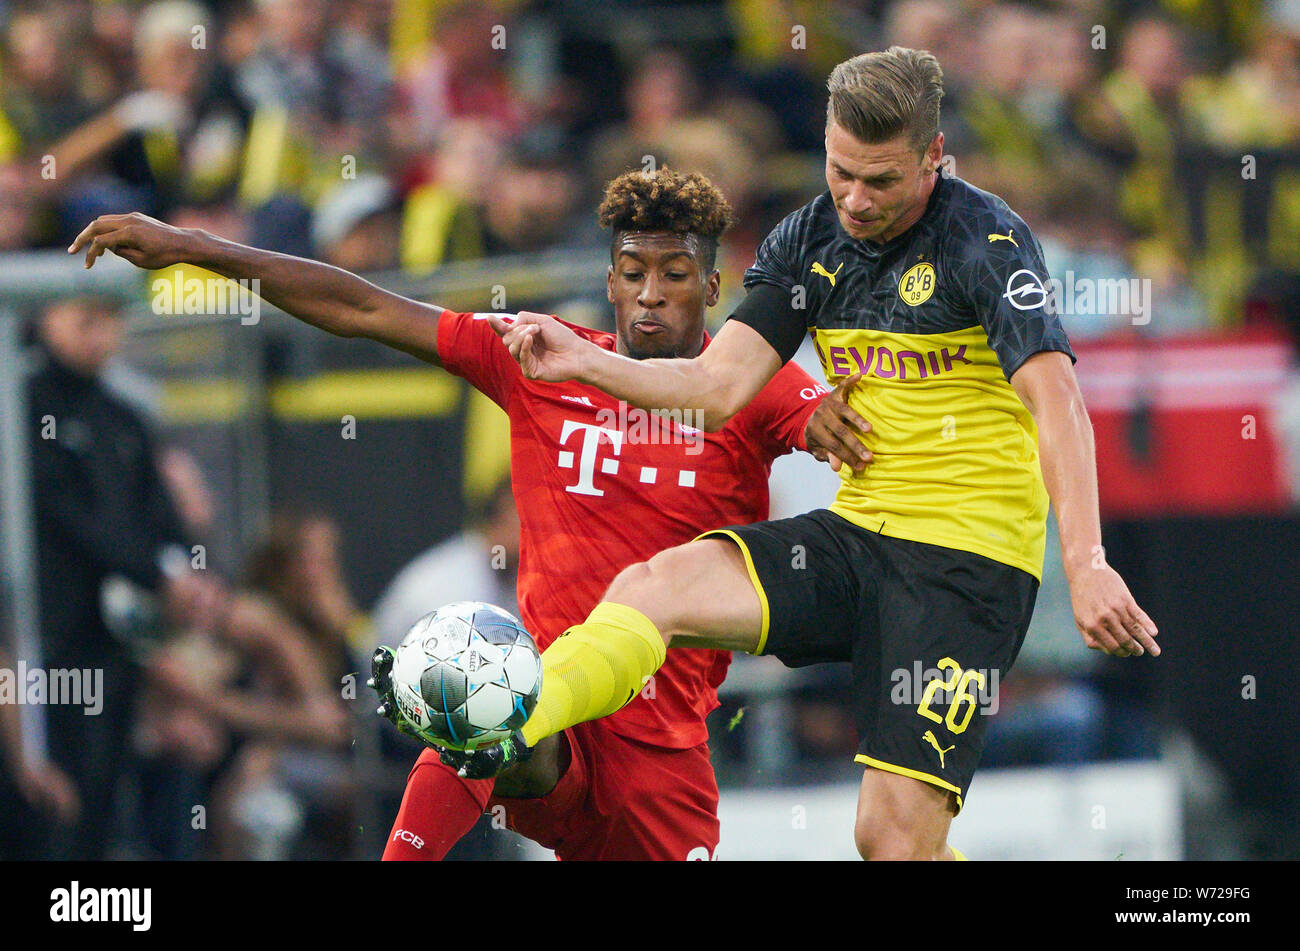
{"type": "Point", "coordinates": [649, 587]}
{"type": "Point", "coordinates": [884, 842]}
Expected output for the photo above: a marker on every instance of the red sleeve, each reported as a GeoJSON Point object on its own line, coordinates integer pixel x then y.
{"type": "Point", "coordinates": [778, 415]}
{"type": "Point", "coordinates": [470, 348]}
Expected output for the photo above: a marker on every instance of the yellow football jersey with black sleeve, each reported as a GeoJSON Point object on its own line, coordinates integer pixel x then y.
{"type": "Point", "coordinates": [937, 320]}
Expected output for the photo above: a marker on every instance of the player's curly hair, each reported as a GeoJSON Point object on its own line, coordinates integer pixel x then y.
{"type": "Point", "coordinates": [666, 200]}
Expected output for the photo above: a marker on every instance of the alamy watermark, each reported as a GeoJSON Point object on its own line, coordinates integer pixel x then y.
{"type": "Point", "coordinates": [182, 293]}
{"type": "Point", "coordinates": [1081, 296]}
{"type": "Point", "coordinates": [947, 691]}
{"type": "Point", "coordinates": [666, 427]}
{"type": "Point", "coordinates": [74, 687]}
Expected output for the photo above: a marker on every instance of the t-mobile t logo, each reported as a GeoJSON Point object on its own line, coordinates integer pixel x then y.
{"type": "Point", "coordinates": [592, 438]}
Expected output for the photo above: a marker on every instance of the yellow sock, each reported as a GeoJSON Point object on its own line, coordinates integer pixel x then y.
{"type": "Point", "coordinates": [594, 669]}
{"type": "Point", "coordinates": [956, 855]}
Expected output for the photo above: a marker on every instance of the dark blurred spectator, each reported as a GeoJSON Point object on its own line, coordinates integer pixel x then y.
{"type": "Point", "coordinates": [215, 700]}
{"type": "Point", "coordinates": [218, 708]}
{"type": "Point", "coordinates": [317, 98]}
{"type": "Point", "coordinates": [41, 98]}
{"type": "Point", "coordinates": [33, 791]}
{"type": "Point", "coordinates": [298, 565]}
{"type": "Point", "coordinates": [357, 226]}
{"type": "Point", "coordinates": [444, 204]}
{"type": "Point", "coordinates": [534, 201]}
{"type": "Point", "coordinates": [298, 570]}
{"type": "Point", "coordinates": [660, 92]}
{"type": "Point", "coordinates": [176, 139]}
{"type": "Point", "coordinates": [1256, 101]}
{"type": "Point", "coordinates": [461, 73]}
{"type": "Point", "coordinates": [786, 70]}
{"type": "Point", "coordinates": [101, 511]}
{"type": "Point", "coordinates": [1137, 121]}
{"type": "Point", "coordinates": [479, 564]}
{"type": "Point", "coordinates": [19, 210]}
{"type": "Point", "coordinates": [1230, 26]}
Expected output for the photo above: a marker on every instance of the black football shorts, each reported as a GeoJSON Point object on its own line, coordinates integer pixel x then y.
{"type": "Point", "coordinates": [930, 632]}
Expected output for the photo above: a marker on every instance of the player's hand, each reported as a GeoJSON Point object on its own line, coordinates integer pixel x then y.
{"type": "Point", "coordinates": [488, 761]}
{"type": "Point", "coordinates": [834, 431]}
{"type": "Point", "coordinates": [544, 347]}
{"type": "Point", "coordinates": [1107, 615]}
{"type": "Point", "coordinates": [144, 241]}
{"type": "Point", "coordinates": [381, 682]}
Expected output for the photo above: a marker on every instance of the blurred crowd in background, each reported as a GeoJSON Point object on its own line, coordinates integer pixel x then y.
{"type": "Point", "coordinates": [404, 135]}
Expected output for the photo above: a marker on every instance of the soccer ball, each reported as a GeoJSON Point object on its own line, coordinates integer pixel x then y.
{"type": "Point", "coordinates": [467, 675]}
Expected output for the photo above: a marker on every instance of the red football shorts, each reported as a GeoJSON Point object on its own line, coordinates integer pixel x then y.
{"type": "Point", "coordinates": [620, 799]}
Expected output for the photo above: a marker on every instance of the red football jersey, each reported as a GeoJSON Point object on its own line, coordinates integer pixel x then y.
{"type": "Point", "coordinates": [599, 487]}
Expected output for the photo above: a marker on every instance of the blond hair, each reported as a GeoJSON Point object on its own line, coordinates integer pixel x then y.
{"type": "Point", "coordinates": [879, 96]}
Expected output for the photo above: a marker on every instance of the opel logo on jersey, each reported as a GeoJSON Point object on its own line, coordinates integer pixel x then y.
{"type": "Point", "coordinates": [817, 268]}
{"type": "Point", "coordinates": [1025, 290]}
{"type": "Point", "coordinates": [917, 284]}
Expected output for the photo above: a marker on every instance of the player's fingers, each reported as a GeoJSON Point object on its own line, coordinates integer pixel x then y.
{"type": "Point", "coordinates": [82, 237]}
{"type": "Point", "coordinates": [1130, 634]}
{"type": "Point", "coordinates": [834, 460]}
{"type": "Point", "coordinates": [513, 342]}
{"type": "Point", "coordinates": [850, 431]}
{"type": "Point", "coordinates": [1125, 645]}
{"type": "Point", "coordinates": [1107, 646]}
{"type": "Point", "coordinates": [844, 444]}
{"type": "Point", "coordinates": [98, 245]}
{"type": "Point", "coordinates": [841, 405]}
{"type": "Point", "coordinates": [100, 225]}
{"type": "Point", "coordinates": [847, 384]}
{"type": "Point", "coordinates": [840, 431]}
{"type": "Point", "coordinates": [526, 355]}
{"type": "Point", "coordinates": [517, 333]}
{"type": "Point", "coordinates": [499, 324]}
{"type": "Point", "coordinates": [114, 240]}
{"type": "Point", "coordinates": [1099, 636]}
{"type": "Point", "coordinates": [1142, 630]}
{"type": "Point", "coordinates": [855, 419]}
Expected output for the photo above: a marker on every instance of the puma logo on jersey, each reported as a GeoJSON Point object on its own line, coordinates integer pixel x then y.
{"type": "Point", "coordinates": [830, 276]}
{"type": "Point", "coordinates": [928, 736]}
{"type": "Point", "coordinates": [1004, 237]}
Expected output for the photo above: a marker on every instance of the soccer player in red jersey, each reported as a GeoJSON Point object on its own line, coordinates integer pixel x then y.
{"type": "Point", "coordinates": [598, 487]}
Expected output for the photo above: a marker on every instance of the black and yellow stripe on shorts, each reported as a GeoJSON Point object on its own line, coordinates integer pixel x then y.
{"type": "Point", "coordinates": [933, 780]}
{"type": "Point", "coordinates": [753, 577]}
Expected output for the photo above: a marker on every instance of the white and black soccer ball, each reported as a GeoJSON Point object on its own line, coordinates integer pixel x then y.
{"type": "Point", "coordinates": [467, 675]}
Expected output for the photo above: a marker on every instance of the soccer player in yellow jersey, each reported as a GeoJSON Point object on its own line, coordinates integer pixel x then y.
{"type": "Point", "coordinates": [934, 294]}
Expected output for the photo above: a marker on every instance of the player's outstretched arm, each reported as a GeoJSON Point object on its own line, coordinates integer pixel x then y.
{"type": "Point", "coordinates": [1107, 614]}
{"type": "Point", "coordinates": [327, 297]}
{"type": "Point", "coordinates": [718, 383]}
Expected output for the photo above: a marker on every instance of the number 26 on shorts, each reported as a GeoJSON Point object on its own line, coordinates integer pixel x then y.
{"type": "Point", "coordinates": [959, 681]}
